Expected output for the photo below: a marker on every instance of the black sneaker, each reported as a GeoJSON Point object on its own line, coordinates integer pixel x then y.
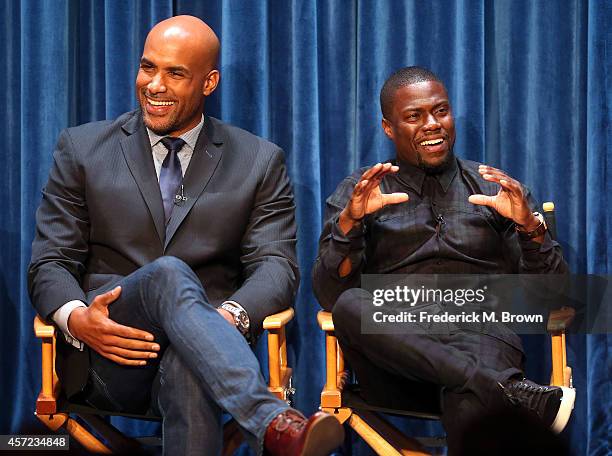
{"type": "Point", "coordinates": [553, 404]}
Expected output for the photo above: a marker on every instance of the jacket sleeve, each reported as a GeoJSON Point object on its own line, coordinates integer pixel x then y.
{"type": "Point", "coordinates": [268, 247]}
{"type": "Point", "coordinates": [60, 246]}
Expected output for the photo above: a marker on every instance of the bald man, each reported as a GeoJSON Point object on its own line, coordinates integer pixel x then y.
{"type": "Point", "coordinates": [164, 237]}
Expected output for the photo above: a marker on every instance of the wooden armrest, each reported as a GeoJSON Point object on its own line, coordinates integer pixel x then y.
{"type": "Point", "coordinates": [325, 320]}
{"type": "Point", "coordinates": [280, 373]}
{"type": "Point", "coordinates": [278, 320]}
{"type": "Point", "coordinates": [335, 375]}
{"type": "Point", "coordinates": [43, 329]}
{"type": "Point", "coordinates": [559, 320]}
{"type": "Point", "coordinates": [46, 403]}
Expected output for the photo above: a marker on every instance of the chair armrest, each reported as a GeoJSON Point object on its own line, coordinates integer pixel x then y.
{"type": "Point", "coordinates": [326, 323]}
{"type": "Point", "coordinates": [335, 374]}
{"type": "Point", "coordinates": [280, 373]}
{"type": "Point", "coordinates": [43, 329]}
{"type": "Point", "coordinates": [46, 403]}
{"type": "Point", "coordinates": [278, 320]}
{"type": "Point", "coordinates": [558, 321]}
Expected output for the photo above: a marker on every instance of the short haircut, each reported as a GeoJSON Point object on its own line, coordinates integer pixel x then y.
{"type": "Point", "coordinates": [401, 78]}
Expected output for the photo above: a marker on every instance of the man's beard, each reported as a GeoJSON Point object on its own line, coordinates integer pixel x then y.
{"type": "Point", "coordinates": [161, 129]}
{"type": "Point", "coordinates": [440, 167]}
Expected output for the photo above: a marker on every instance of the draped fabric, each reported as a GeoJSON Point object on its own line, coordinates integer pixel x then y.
{"type": "Point", "coordinates": [529, 82]}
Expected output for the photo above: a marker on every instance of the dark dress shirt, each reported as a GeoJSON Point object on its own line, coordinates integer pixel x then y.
{"type": "Point", "coordinates": [436, 232]}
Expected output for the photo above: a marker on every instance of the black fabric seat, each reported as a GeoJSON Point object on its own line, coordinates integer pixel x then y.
{"type": "Point", "coordinates": [424, 405]}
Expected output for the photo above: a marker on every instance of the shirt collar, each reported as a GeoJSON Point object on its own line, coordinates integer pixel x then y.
{"type": "Point", "coordinates": [413, 176]}
{"type": "Point", "coordinates": [190, 137]}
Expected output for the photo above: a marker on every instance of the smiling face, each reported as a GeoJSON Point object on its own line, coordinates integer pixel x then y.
{"type": "Point", "coordinates": [421, 125]}
{"type": "Point", "coordinates": [177, 71]}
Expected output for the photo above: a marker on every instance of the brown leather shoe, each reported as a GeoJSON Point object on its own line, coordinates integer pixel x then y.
{"type": "Point", "coordinates": [291, 434]}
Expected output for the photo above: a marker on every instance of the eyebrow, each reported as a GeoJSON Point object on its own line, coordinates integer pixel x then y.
{"type": "Point", "coordinates": [419, 108]}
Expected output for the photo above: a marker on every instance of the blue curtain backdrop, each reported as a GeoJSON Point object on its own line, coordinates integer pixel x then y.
{"type": "Point", "coordinates": [530, 83]}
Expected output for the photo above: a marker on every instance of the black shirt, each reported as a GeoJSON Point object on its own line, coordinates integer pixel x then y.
{"type": "Point", "coordinates": [436, 232]}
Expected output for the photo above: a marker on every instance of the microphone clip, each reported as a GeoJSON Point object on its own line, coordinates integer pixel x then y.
{"type": "Point", "coordinates": [179, 200]}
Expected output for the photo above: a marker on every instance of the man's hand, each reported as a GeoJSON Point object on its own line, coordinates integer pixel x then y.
{"type": "Point", "coordinates": [228, 316]}
{"type": "Point", "coordinates": [121, 344]}
{"type": "Point", "coordinates": [367, 197]}
{"type": "Point", "coordinates": [510, 201]}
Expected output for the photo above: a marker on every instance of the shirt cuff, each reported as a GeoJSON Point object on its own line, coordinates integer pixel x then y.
{"type": "Point", "coordinates": [537, 256]}
{"type": "Point", "coordinates": [340, 246]}
{"type": "Point", "coordinates": [354, 238]}
{"type": "Point", "coordinates": [529, 246]}
{"type": "Point", "coordinates": [60, 317]}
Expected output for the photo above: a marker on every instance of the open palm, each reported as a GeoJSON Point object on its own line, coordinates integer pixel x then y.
{"type": "Point", "coordinates": [510, 201]}
{"type": "Point", "coordinates": [367, 196]}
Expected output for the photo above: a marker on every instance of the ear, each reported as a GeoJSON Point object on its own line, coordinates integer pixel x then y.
{"type": "Point", "coordinates": [388, 128]}
{"type": "Point", "coordinates": [211, 82]}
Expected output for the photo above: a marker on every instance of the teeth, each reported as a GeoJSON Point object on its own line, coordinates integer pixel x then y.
{"type": "Point", "coordinates": [432, 142]}
{"type": "Point", "coordinates": [160, 103]}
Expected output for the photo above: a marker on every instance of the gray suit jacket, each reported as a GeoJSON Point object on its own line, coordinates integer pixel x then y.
{"type": "Point", "coordinates": [101, 217]}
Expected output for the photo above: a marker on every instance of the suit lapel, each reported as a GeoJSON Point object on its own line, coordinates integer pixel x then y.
{"type": "Point", "coordinates": [137, 152]}
{"type": "Point", "coordinates": [204, 161]}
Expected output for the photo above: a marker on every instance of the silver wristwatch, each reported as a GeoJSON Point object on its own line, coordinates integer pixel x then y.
{"type": "Point", "coordinates": [241, 318]}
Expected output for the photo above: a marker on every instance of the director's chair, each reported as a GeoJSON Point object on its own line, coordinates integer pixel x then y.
{"type": "Point", "coordinates": [55, 411]}
{"type": "Point", "coordinates": [342, 399]}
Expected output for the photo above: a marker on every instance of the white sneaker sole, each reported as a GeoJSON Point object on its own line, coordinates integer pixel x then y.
{"type": "Point", "coordinates": [565, 409]}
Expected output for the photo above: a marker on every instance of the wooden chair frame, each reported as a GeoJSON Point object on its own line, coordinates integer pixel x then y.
{"type": "Point", "coordinates": [49, 412]}
{"type": "Point", "coordinates": [384, 438]}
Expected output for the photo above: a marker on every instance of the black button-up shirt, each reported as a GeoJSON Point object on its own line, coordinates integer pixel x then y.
{"type": "Point", "coordinates": [436, 232]}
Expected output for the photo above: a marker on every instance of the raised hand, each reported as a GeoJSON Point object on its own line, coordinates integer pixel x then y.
{"type": "Point", "coordinates": [121, 344]}
{"type": "Point", "coordinates": [367, 197]}
{"type": "Point", "coordinates": [510, 201]}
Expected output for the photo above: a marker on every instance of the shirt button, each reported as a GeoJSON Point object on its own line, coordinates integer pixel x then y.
{"type": "Point", "coordinates": [439, 262]}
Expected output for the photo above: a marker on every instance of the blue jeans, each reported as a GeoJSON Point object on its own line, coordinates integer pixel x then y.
{"type": "Point", "coordinates": [205, 366]}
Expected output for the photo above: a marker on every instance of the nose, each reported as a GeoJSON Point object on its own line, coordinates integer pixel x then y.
{"type": "Point", "coordinates": [431, 123]}
{"type": "Point", "coordinates": [156, 85]}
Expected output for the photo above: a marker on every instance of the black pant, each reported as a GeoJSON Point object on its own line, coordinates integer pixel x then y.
{"type": "Point", "coordinates": [464, 366]}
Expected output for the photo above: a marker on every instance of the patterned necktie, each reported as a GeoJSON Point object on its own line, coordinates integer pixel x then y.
{"type": "Point", "coordinates": [170, 176]}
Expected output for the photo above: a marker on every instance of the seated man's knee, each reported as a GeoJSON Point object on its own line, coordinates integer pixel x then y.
{"type": "Point", "coordinates": [169, 263]}
{"type": "Point", "coordinates": [168, 268]}
{"type": "Point", "coordinates": [169, 273]}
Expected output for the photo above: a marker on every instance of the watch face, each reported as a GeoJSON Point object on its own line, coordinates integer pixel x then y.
{"type": "Point", "coordinates": [243, 320]}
